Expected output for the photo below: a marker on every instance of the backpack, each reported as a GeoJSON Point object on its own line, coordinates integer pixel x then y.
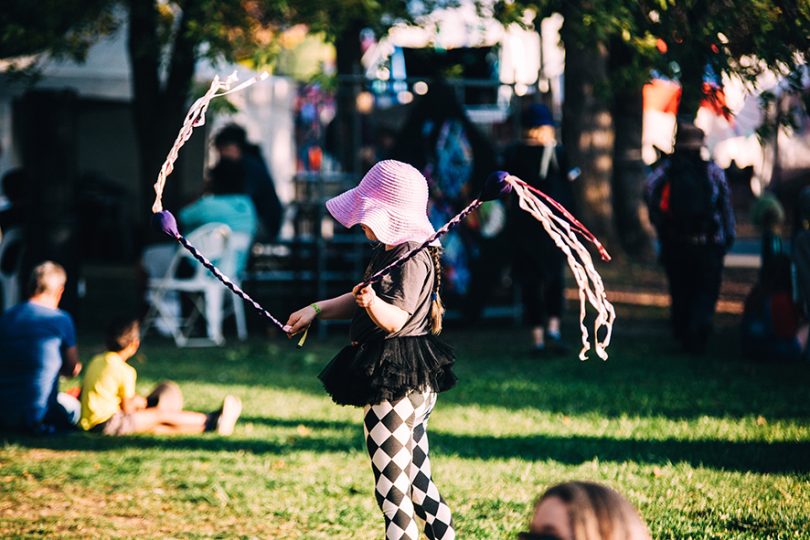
{"type": "Point", "coordinates": [454, 159]}
{"type": "Point", "coordinates": [685, 202]}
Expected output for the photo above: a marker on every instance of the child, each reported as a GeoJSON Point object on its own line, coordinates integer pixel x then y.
{"type": "Point", "coordinates": [584, 511]}
{"type": "Point", "coordinates": [110, 405]}
{"type": "Point", "coordinates": [395, 366]}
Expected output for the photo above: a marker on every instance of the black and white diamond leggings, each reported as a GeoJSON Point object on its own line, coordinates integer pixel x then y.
{"type": "Point", "coordinates": [396, 438]}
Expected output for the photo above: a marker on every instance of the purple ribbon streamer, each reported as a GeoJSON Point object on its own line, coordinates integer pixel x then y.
{"type": "Point", "coordinates": [164, 220]}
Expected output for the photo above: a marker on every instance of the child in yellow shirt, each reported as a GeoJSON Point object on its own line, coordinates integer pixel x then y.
{"type": "Point", "coordinates": [111, 406]}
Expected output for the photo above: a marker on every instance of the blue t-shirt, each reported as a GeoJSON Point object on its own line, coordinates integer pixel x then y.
{"type": "Point", "coordinates": [32, 340]}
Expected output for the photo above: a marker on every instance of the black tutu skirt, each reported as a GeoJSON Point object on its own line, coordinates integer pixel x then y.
{"type": "Point", "coordinates": [386, 370]}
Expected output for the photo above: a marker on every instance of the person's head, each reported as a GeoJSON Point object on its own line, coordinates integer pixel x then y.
{"type": "Point", "coordinates": [123, 337]}
{"type": "Point", "coordinates": [390, 203]}
{"type": "Point", "coordinates": [584, 511]}
{"type": "Point", "coordinates": [230, 141]}
{"type": "Point", "coordinates": [768, 213]}
{"type": "Point", "coordinates": [538, 124]}
{"type": "Point", "coordinates": [226, 177]}
{"type": "Point", "coordinates": [47, 281]}
{"type": "Point", "coordinates": [16, 184]}
{"type": "Point", "coordinates": [689, 137]}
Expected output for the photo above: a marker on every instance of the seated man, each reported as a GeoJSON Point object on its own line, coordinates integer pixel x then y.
{"type": "Point", "coordinates": [110, 405]}
{"type": "Point", "coordinates": [37, 344]}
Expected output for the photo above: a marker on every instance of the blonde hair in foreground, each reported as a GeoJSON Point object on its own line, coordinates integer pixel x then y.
{"type": "Point", "coordinates": [597, 512]}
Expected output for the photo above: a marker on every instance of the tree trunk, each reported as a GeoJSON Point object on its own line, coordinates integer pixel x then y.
{"type": "Point", "coordinates": [587, 129]}
{"type": "Point", "coordinates": [158, 109]}
{"type": "Point", "coordinates": [49, 154]}
{"type": "Point", "coordinates": [692, 62]}
{"type": "Point", "coordinates": [628, 168]}
{"type": "Point", "coordinates": [346, 133]}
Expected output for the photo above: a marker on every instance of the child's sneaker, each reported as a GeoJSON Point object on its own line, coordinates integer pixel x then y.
{"type": "Point", "coordinates": [231, 409]}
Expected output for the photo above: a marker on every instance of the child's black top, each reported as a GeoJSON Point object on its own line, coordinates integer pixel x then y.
{"type": "Point", "coordinates": [379, 366]}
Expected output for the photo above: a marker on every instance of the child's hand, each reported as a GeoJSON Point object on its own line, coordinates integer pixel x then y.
{"type": "Point", "coordinates": [299, 320]}
{"type": "Point", "coordinates": [139, 402]}
{"type": "Point", "coordinates": [364, 297]}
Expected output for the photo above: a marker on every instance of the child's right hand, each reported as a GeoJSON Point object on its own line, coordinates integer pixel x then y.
{"type": "Point", "coordinates": [299, 320]}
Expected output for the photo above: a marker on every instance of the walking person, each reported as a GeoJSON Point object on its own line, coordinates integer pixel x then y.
{"type": "Point", "coordinates": [690, 206]}
{"type": "Point", "coordinates": [538, 265]}
{"type": "Point", "coordinates": [395, 365]}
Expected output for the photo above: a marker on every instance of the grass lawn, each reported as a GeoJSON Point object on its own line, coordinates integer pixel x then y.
{"type": "Point", "coordinates": [709, 447]}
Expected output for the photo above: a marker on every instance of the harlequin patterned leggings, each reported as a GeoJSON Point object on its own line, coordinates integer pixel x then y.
{"type": "Point", "coordinates": [396, 438]}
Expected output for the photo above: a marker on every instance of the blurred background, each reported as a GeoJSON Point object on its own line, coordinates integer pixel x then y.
{"type": "Point", "coordinates": [93, 93]}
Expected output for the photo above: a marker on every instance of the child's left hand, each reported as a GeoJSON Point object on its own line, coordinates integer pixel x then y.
{"type": "Point", "coordinates": [364, 297]}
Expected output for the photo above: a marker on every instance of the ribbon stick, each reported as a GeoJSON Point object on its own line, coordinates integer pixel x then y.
{"type": "Point", "coordinates": [564, 234]}
{"type": "Point", "coordinates": [494, 187]}
{"type": "Point", "coordinates": [164, 221]}
{"type": "Point", "coordinates": [563, 231]}
{"type": "Point", "coordinates": [196, 118]}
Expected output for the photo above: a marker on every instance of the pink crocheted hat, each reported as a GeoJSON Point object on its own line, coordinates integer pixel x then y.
{"type": "Point", "coordinates": [391, 200]}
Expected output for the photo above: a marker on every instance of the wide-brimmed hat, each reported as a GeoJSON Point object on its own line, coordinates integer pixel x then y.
{"type": "Point", "coordinates": [391, 200]}
{"type": "Point", "coordinates": [689, 137]}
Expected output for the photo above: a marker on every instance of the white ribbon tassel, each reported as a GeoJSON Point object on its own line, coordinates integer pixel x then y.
{"type": "Point", "coordinates": [196, 118]}
{"type": "Point", "coordinates": [579, 260]}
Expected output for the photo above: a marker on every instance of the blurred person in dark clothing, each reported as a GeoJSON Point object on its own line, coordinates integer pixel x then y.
{"type": "Point", "coordinates": [224, 201]}
{"type": "Point", "coordinates": [441, 141]}
{"type": "Point", "coordinates": [801, 266]}
{"type": "Point", "coordinates": [15, 216]}
{"type": "Point", "coordinates": [538, 265]}
{"type": "Point", "coordinates": [689, 202]}
{"type": "Point", "coordinates": [231, 143]}
{"type": "Point", "coordinates": [768, 216]}
{"type": "Point", "coordinates": [770, 321]}
{"type": "Point", "coordinates": [16, 184]}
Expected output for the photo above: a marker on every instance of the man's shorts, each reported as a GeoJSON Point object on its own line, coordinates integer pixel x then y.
{"type": "Point", "coordinates": [118, 424]}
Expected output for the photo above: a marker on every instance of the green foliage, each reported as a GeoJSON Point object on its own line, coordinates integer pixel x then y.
{"type": "Point", "coordinates": [245, 31]}
{"type": "Point", "coordinates": [727, 34]}
{"type": "Point", "coordinates": [709, 447]}
{"type": "Point", "coordinates": [65, 28]}
{"type": "Point", "coordinates": [724, 34]}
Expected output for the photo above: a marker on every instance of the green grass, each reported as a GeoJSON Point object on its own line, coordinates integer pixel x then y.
{"type": "Point", "coordinates": [709, 447]}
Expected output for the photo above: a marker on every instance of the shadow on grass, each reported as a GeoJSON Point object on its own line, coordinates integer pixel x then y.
{"type": "Point", "coordinates": [644, 376]}
{"type": "Point", "coordinates": [306, 422]}
{"type": "Point", "coordinates": [756, 457]}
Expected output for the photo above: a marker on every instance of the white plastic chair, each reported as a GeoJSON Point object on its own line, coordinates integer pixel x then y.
{"type": "Point", "coordinates": [10, 269]}
{"type": "Point", "coordinates": [216, 242]}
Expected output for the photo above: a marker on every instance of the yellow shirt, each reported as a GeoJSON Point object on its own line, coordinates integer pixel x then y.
{"type": "Point", "coordinates": [108, 381]}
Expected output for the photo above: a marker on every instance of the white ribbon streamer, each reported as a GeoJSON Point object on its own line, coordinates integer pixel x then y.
{"type": "Point", "coordinates": [579, 260]}
{"type": "Point", "coordinates": [196, 118]}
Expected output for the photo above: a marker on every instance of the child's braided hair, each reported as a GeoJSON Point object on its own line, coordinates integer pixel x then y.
{"type": "Point", "coordinates": [436, 308]}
